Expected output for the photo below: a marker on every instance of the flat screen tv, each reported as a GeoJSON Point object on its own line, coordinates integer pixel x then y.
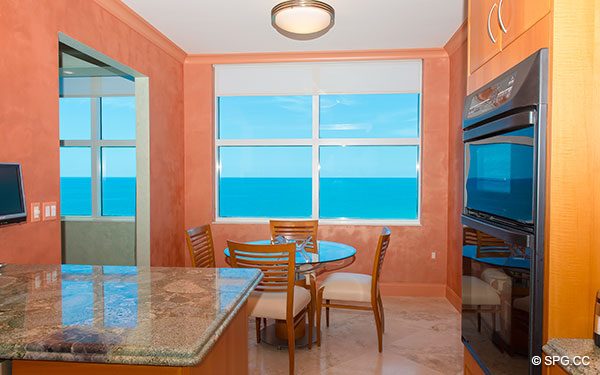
{"type": "Point", "coordinates": [12, 195]}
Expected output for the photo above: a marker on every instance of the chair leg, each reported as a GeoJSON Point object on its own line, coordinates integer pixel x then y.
{"type": "Point", "coordinates": [319, 309]}
{"type": "Point", "coordinates": [258, 320]}
{"type": "Point", "coordinates": [327, 313]}
{"type": "Point", "coordinates": [311, 323]}
{"type": "Point", "coordinates": [478, 321]}
{"type": "Point", "coordinates": [493, 322]}
{"type": "Point", "coordinates": [291, 343]}
{"type": "Point", "coordinates": [380, 305]}
{"type": "Point", "coordinates": [377, 315]}
{"type": "Point", "coordinates": [313, 303]}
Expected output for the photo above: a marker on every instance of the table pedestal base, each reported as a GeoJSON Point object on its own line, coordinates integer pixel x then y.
{"type": "Point", "coordinates": [276, 335]}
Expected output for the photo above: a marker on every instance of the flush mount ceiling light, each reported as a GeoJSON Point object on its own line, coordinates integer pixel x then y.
{"type": "Point", "coordinates": [302, 19]}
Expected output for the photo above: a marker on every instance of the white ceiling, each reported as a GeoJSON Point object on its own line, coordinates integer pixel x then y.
{"type": "Point", "coordinates": [229, 26]}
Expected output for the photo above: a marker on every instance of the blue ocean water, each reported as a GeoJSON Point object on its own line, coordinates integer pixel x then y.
{"type": "Point", "coordinates": [359, 198]}
{"type": "Point", "coordinates": [118, 196]}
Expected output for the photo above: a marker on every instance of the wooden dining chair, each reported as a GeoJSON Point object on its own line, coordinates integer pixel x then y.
{"type": "Point", "coordinates": [297, 230]}
{"type": "Point", "coordinates": [354, 291]}
{"type": "Point", "coordinates": [200, 245]}
{"type": "Point", "coordinates": [276, 296]}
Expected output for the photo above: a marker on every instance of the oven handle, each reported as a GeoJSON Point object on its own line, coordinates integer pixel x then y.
{"type": "Point", "coordinates": [514, 121]}
{"type": "Point", "coordinates": [510, 236]}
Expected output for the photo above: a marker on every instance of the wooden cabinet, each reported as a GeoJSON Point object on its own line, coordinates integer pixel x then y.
{"type": "Point", "coordinates": [484, 32]}
{"type": "Point", "coordinates": [471, 367]}
{"type": "Point", "coordinates": [517, 16]}
{"type": "Point", "coordinates": [494, 24]}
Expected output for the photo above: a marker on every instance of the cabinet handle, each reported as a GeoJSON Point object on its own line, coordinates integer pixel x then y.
{"type": "Point", "coordinates": [489, 26]}
{"type": "Point", "coordinates": [500, 21]}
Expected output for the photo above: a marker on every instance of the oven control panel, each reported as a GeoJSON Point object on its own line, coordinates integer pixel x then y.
{"type": "Point", "coordinates": [491, 97]}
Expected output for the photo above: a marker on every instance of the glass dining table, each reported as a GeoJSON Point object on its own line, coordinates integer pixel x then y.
{"type": "Point", "coordinates": [330, 256]}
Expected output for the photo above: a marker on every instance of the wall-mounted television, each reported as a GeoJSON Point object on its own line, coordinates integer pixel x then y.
{"type": "Point", "coordinates": [12, 194]}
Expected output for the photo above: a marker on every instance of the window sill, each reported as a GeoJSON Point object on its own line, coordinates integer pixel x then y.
{"type": "Point", "coordinates": [357, 222]}
{"type": "Point", "coordinates": [103, 219]}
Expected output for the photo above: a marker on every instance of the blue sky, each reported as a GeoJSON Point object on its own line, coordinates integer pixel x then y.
{"type": "Point", "coordinates": [118, 122]}
{"type": "Point", "coordinates": [341, 116]}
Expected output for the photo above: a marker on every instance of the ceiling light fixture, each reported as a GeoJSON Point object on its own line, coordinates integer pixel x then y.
{"type": "Point", "coordinates": [302, 19]}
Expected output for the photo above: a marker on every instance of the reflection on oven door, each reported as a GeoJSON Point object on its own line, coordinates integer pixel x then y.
{"type": "Point", "coordinates": [495, 290]}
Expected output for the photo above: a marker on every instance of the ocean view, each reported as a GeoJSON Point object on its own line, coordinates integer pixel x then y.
{"type": "Point", "coordinates": [364, 198]}
{"type": "Point", "coordinates": [118, 196]}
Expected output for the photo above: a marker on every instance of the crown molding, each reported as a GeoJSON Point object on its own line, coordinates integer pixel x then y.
{"type": "Point", "coordinates": [457, 39]}
{"type": "Point", "coordinates": [121, 11]}
{"type": "Point", "coordinates": [316, 56]}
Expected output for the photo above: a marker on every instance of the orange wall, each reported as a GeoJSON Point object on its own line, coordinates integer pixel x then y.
{"type": "Point", "coordinates": [457, 52]}
{"type": "Point", "coordinates": [409, 268]}
{"type": "Point", "coordinates": [29, 115]}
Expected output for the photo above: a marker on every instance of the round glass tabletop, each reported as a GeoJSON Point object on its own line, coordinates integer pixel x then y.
{"type": "Point", "coordinates": [328, 252]}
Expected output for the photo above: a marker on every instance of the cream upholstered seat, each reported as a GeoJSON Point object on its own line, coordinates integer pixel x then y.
{"type": "Point", "coordinates": [356, 291]}
{"type": "Point", "coordinates": [477, 292]}
{"type": "Point", "coordinates": [345, 286]}
{"type": "Point", "coordinates": [522, 303]}
{"type": "Point", "coordinates": [480, 297]}
{"type": "Point", "coordinates": [273, 305]}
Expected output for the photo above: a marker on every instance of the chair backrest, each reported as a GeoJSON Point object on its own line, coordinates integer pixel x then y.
{"type": "Point", "coordinates": [382, 246]}
{"type": "Point", "coordinates": [277, 263]}
{"type": "Point", "coordinates": [487, 246]}
{"type": "Point", "coordinates": [298, 230]}
{"type": "Point", "coordinates": [200, 245]}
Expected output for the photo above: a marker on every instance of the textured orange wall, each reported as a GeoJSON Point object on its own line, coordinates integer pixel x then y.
{"type": "Point", "coordinates": [457, 51]}
{"type": "Point", "coordinates": [29, 117]}
{"type": "Point", "coordinates": [409, 268]}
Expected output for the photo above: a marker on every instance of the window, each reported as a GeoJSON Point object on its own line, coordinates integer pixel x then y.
{"type": "Point", "coordinates": [344, 146]}
{"type": "Point", "coordinates": [98, 157]}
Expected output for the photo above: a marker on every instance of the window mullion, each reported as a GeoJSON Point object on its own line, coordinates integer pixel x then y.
{"type": "Point", "coordinates": [315, 157]}
{"type": "Point", "coordinates": [96, 159]}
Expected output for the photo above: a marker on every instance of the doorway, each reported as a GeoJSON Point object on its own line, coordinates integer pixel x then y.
{"type": "Point", "coordinates": [104, 163]}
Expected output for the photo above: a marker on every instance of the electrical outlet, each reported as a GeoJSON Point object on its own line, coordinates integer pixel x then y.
{"type": "Point", "coordinates": [36, 212]}
{"type": "Point", "coordinates": [433, 255]}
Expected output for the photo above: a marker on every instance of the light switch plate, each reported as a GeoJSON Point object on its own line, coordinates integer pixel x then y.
{"type": "Point", "coordinates": [49, 211]}
{"type": "Point", "coordinates": [36, 212]}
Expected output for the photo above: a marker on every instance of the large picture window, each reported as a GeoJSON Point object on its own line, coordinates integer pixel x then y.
{"type": "Point", "coordinates": [97, 157]}
{"type": "Point", "coordinates": [335, 149]}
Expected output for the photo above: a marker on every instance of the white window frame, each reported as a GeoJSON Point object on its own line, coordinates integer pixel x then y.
{"type": "Point", "coordinates": [315, 142]}
{"type": "Point", "coordinates": [95, 144]}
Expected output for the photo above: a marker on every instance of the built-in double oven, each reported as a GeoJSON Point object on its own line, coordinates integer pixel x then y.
{"type": "Point", "coordinates": [504, 134]}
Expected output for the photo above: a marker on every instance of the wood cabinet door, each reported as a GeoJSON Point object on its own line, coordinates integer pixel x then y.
{"type": "Point", "coordinates": [484, 32]}
{"type": "Point", "coordinates": [517, 16]}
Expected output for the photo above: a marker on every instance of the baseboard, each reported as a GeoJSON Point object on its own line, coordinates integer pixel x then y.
{"type": "Point", "coordinates": [454, 299]}
{"type": "Point", "coordinates": [412, 290]}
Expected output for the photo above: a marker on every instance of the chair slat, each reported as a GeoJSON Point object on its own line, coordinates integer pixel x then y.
{"type": "Point", "coordinates": [200, 245]}
{"type": "Point", "coordinates": [297, 230]}
{"type": "Point", "coordinates": [277, 273]}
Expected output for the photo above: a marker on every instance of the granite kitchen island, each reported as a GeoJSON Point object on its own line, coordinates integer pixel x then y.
{"type": "Point", "coordinates": [75, 319]}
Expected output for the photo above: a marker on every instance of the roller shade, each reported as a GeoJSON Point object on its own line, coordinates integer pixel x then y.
{"type": "Point", "coordinates": [356, 77]}
{"type": "Point", "coordinates": [91, 87]}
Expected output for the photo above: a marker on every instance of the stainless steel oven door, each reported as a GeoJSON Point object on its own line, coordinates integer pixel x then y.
{"type": "Point", "coordinates": [500, 171]}
{"type": "Point", "coordinates": [497, 298]}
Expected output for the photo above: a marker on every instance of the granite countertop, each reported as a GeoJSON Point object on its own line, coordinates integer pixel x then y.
{"type": "Point", "coordinates": [114, 314]}
{"type": "Point", "coordinates": [572, 348]}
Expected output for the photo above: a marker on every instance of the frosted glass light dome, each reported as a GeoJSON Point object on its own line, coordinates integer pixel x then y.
{"type": "Point", "coordinates": [302, 16]}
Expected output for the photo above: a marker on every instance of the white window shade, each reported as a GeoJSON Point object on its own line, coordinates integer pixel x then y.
{"type": "Point", "coordinates": [94, 87]}
{"type": "Point", "coordinates": [357, 77]}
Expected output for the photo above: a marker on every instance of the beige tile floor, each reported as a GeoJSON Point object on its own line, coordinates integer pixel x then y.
{"type": "Point", "coordinates": [422, 337]}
